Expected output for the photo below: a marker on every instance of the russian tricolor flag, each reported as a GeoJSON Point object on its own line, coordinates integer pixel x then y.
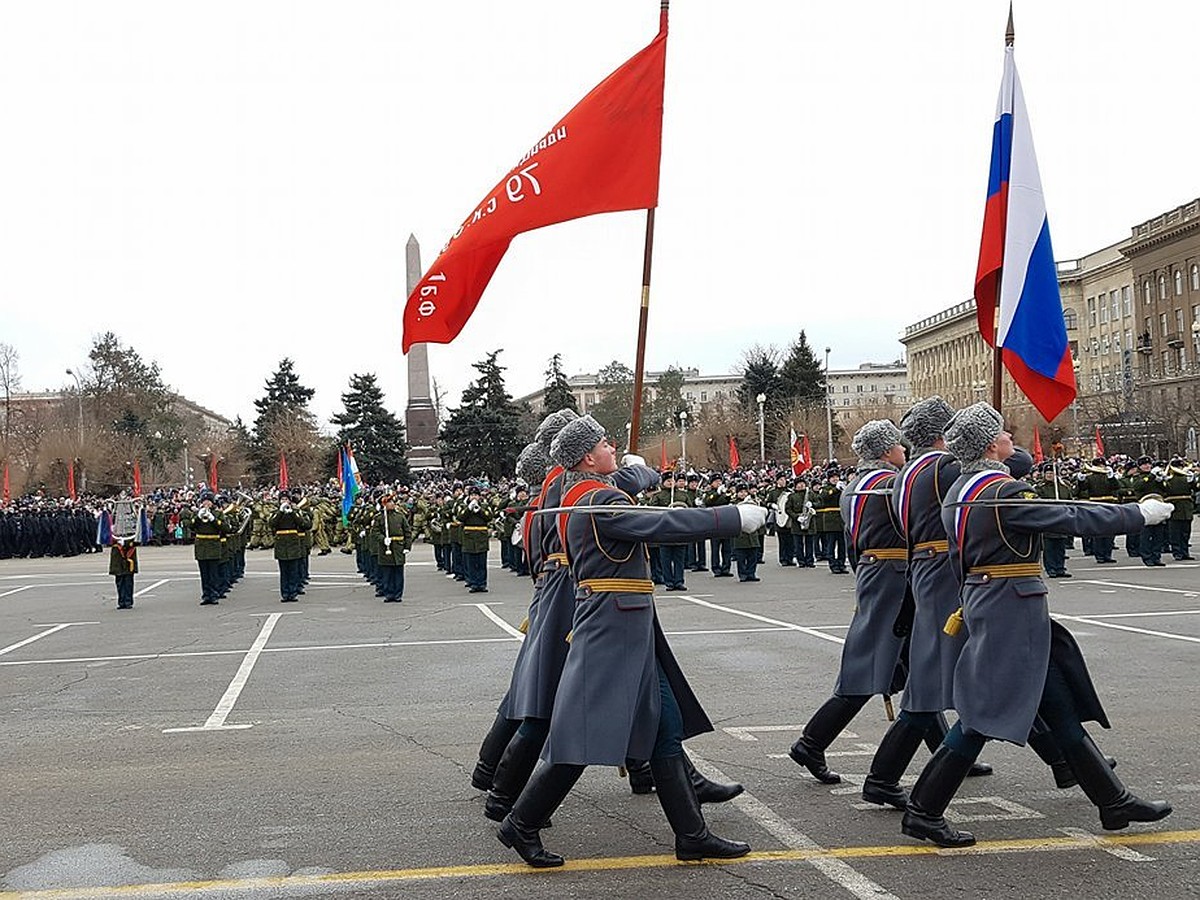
{"type": "Point", "coordinates": [1016, 262]}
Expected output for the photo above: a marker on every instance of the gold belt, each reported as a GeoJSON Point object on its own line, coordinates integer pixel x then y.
{"type": "Point", "coordinates": [475, 528]}
{"type": "Point", "coordinates": [208, 537]}
{"type": "Point", "coordinates": [829, 509]}
{"type": "Point", "coordinates": [1007, 570]}
{"type": "Point", "coordinates": [935, 546]}
{"type": "Point", "coordinates": [560, 558]}
{"type": "Point", "coordinates": [619, 585]}
{"type": "Point", "coordinates": [885, 553]}
{"type": "Point", "coordinates": [1105, 497]}
{"type": "Point", "coordinates": [287, 531]}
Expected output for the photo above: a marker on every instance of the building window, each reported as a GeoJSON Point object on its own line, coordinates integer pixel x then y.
{"type": "Point", "coordinates": [1126, 301]}
{"type": "Point", "coordinates": [1179, 322]}
{"type": "Point", "coordinates": [845, 388]}
{"type": "Point", "coordinates": [1091, 307]}
{"type": "Point", "coordinates": [704, 396]}
{"type": "Point", "coordinates": [1128, 339]}
{"type": "Point", "coordinates": [1103, 303]}
{"type": "Point", "coordinates": [1070, 319]}
{"type": "Point", "coordinates": [874, 387]}
{"type": "Point", "coordinates": [1117, 341]}
{"type": "Point", "coordinates": [1107, 344]}
{"type": "Point", "coordinates": [846, 401]}
{"type": "Point", "coordinates": [1162, 324]}
{"type": "Point", "coordinates": [859, 388]}
{"type": "Point", "coordinates": [1162, 287]}
{"type": "Point", "coordinates": [1195, 277]}
{"type": "Point", "coordinates": [1114, 304]}
{"type": "Point", "coordinates": [1178, 282]}
{"type": "Point", "coordinates": [1146, 291]}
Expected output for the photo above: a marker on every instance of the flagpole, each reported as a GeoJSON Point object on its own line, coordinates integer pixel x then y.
{"type": "Point", "coordinates": [639, 369]}
{"type": "Point", "coordinates": [1010, 37]}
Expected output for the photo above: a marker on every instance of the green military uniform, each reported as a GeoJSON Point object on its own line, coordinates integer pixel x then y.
{"type": "Point", "coordinates": [1054, 544]}
{"type": "Point", "coordinates": [1178, 490]}
{"type": "Point", "coordinates": [123, 565]}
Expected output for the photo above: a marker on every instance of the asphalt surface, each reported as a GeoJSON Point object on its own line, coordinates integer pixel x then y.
{"type": "Point", "coordinates": [323, 748]}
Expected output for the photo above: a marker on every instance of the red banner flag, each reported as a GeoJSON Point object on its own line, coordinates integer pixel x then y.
{"type": "Point", "coordinates": [735, 458]}
{"type": "Point", "coordinates": [137, 479]}
{"type": "Point", "coordinates": [283, 472]}
{"type": "Point", "coordinates": [71, 480]}
{"type": "Point", "coordinates": [7, 496]}
{"type": "Point", "coordinates": [212, 473]}
{"type": "Point", "coordinates": [801, 453]}
{"type": "Point", "coordinates": [602, 156]}
{"type": "Point", "coordinates": [1099, 442]}
{"type": "Point", "coordinates": [1038, 456]}
{"type": "Point", "coordinates": [662, 455]}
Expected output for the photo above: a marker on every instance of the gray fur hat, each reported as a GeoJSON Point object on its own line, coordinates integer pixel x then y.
{"type": "Point", "coordinates": [925, 422]}
{"type": "Point", "coordinates": [532, 464]}
{"type": "Point", "coordinates": [875, 438]}
{"type": "Point", "coordinates": [574, 440]}
{"type": "Point", "coordinates": [551, 425]}
{"type": "Point", "coordinates": [971, 429]}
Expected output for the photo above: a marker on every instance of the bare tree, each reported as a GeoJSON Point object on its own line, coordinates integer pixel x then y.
{"type": "Point", "coordinates": [10, 380]}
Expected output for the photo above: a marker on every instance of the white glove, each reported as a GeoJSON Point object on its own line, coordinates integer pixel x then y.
{"type": "Point", "coordinates": [699, 501]}
{"type": "Point", "coordinates": [632, 459]}
{"type": "Point", "coordinates": [1155, 512]}
{"type": "Point", "coordinates": [387, 542]}
{"type": "Point", "coordinates": [753, 517]}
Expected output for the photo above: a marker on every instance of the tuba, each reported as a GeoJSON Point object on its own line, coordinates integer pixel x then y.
{"type": "Point", "coordinates": [781, 516]}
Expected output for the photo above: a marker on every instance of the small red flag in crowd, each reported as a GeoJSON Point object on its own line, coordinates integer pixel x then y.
{"type": "Point", "coordinates": [801, 453]}
{"type": "Point", "coordinates": [7, 493]}
{"type": "Point", "coordinates": [1099, 442]}
{"type": "Point", "coordinates": [212, 473]}
{"type": "Point", "coordinates": [71, 479]}
{"type": "Point", "coordinates": [283, 472]}
{"type": "Point", "coordinates": [1038, 456]}
{"type": "Point", "coordinates": [735, 459]}
{"type": "Point", "coordinates": [137, 479]}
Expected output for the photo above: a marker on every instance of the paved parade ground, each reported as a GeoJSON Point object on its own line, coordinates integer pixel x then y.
{"type": "Point", "coordinates": [323, 748]}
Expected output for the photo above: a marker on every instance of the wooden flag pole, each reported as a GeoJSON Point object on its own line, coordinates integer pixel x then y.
{"type": "Point", "coordinates": [639, 369]}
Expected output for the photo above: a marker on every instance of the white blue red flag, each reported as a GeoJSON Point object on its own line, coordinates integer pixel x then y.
{"type": "Point", "coordinates": [1016, 272]}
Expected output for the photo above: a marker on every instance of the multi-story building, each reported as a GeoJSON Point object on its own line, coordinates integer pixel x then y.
{"type": "Point", "coordinates": [882, 387]}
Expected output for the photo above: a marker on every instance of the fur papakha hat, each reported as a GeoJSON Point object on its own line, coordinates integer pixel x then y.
{"type": "Point", "coordinates": [875, 438]}
{"type": "Point", "coordinates": [533, 463]}
{"type": "Point", "coordinates": [971, 429]}
{"type": "Point", "coordinates": [574, 440]}
{"type": "Point", "coordinates": [551, 425]}
{"type": "Point", "coordinates": [925, 422]}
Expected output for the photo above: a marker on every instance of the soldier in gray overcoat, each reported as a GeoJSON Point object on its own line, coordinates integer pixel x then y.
{"type": "Point", "coordinates": [1016, 664]}
{"type": "Point", "coordinates": [872, 650]}
{"type": "Point", "coordinates": [622, 693]}
{"type": "Point", "coordinates": [540, 662]}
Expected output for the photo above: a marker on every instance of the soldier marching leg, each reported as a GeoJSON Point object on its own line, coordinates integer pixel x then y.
{"type": "Point", "coordinates": [937, 734]}
{"type": "Point", "coordinates": [492, 748]}
{"type": "Point", "coordinates": [515, 768]}
{"type": "Point", "coordinates": [545, 792]}
{"type": "Point", "coordinates": [826, 724]}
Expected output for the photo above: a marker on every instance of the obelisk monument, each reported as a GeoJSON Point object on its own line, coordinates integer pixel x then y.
{"type": "Point", "coordinates": [420, 417]}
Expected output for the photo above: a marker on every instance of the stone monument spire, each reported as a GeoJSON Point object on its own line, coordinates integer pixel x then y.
{"type": "Point", "coordinates": [420, 417]}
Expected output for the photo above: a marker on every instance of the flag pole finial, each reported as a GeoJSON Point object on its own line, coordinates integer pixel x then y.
{"type": "Point", "coordinates": [1010, 35]}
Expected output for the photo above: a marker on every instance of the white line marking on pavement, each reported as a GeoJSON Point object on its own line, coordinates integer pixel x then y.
{"type": "Point", "coordinates": [1012, 811]}
{"type": "Point", "coordinates": [836, 870]}
{"type": "Point", "coordinates": [1163, 634]}
{"type": "Point", "coordinates": [746, 732]}
{"type": "Point", "coordinates": [36, 637]}
{"type": "Point", "coordinates": [1145, 615]}
{"type": "Point", "coordinates": [790, 626]}
{"type": "Point", "coordinates": [1116, 850]}
{"type": "Point", "coordinates": [18, 590]}
{"type": "Point", "coordinates": [216, 722]}
{"type": "Point", "coordinates": [152, 587]}
{"type": "Point", "coordinates": [482, 607]}
{"type": "Point", "coordinates": [1139, 587]}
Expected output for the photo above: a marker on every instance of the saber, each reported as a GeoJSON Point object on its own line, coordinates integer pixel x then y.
{"type": "Point", "coordinates": [872, 492]}
{"type": "Point", "coordinates": [608, 508]}
{"type": "Point", "coordinates": [1013, 501]}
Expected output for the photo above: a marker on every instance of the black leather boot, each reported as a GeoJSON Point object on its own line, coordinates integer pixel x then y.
{"type": "Point", "coordinates": [1042, 742]}
{"type": "Point", "coordinates": [693, 840]}
{"type": "Point", "coordinates": [1117, 806]}
{"type": "Point", "coordinates": [710, 791]}
{"type": "Point", "coordinates": [641, 779]}
{"type": "Point", "coordinates": [512, 774]}
{"type": "Point", "coordinates": [895, 752]}
{"type": "Point", "coordinates": [937, 734]}
{"type": "Point", "coordinates": [925, 816]}
{"type": "Point", "coordinates": [826, 724]}
{"type": "Point", "coordinates": [547, 788]}
{"type": "Point", "coordinates": [491, 750]}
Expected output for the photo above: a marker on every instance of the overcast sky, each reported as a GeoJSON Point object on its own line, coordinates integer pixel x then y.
{"type": "Point", "coordinates": [226, 184]}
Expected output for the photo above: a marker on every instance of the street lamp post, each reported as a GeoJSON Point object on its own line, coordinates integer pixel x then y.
{"type": "Point", "coordinates": [683, 417]}
{"type": "Point", "coordinates": [1075, 411]}
{"type": "Point", "coordinates": [762, 446]}
{"type": "Point", "coordinates": [828, 409]}
{"type": "Point", "coordinates": [187, 470]}
{"type": "Point", "coordinates": [79, 394]}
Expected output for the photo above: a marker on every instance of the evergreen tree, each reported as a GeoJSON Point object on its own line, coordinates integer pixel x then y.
{"type": "Point", "coordinates": [802, 375]}
{"type": "Point", "coordinates": [760, 375]}
{"type": "Point", "coordinates": [663, 413]}
{"type": "Point", "coordinates": [128, 396]}
{"type": "Point", "coordinates": [284, 425]}
{"type": "Point", "coordinates": [375, 434]}
{"type": "Point", "coordinates": [615, 387]}
{"type": "Point", "coordinates": [486, 433]}
{"type": "Point", "coordinates": [558, 389]}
